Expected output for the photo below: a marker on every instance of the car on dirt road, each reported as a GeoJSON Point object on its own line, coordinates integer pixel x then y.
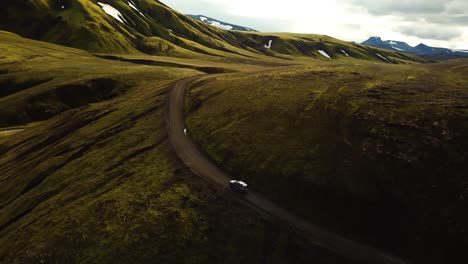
{"type": "Point", "coordinates": [238, 186]}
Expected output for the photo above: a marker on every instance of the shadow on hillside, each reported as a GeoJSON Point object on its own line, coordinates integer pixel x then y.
{"type": "Point", "coordinates": [208, 70]}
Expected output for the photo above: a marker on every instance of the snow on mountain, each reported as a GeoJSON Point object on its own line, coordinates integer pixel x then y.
{"type": "Point", "coordinates": [132, 5]}
{"type": "Point", "coordinates": [220, 24]}
{"type": "Point", "coordinates": [383, 58]}
{"type": "Point", "coordinates": [419, 50]}
{"type": "Point", "coordinates": [323, 53]}
{"type": "Point", "coordinates": [111, 11]}
{"type": "Point", "coordinates": [398, 48]}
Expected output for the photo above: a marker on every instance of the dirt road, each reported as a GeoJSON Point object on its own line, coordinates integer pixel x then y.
{"type": "Point", "coordinates": [202, 166]}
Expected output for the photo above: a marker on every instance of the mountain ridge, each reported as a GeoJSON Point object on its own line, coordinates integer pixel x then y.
{"type": "Point", "coordinates": [421, 49]}
{"type": "Point", "coordinates": [151, 27]}
{"type": "Point", "coordinates": [218, 23]}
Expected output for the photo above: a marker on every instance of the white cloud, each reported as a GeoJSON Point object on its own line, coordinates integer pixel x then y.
{"type": "Point", "coordinates": [430, 32]}
{"type": "Point", "coordinates": [457, 7]}
{"type": "Point", "coordinates": [352, 20]}
{"type": "Point", "coordinates": [383, 7]}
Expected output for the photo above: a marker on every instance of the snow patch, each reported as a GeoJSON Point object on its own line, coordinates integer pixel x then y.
{"type": "Point", "coordinates": [268, 46]}
{"type": "Point", "coordinates": [111, 11]}
{"type": "Point", "coordinates": [219, 25]}
{"type": "Point", "coordinates": [392, 42]}
{"type": "Point", "coordinates": [323, 53]}
{"type": "Point", "coordinates": [344, 52]}
{"type": "Point", "coordinates": [398, 48]}
{"type": "Point", "coordinates": [135, 8]}
{"type": "Point", "coordinates": [383, 58]}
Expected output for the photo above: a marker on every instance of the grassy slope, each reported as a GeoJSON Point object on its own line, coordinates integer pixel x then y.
{"type": "Point", "coordinates": [164, 32]}
{"type": "Point", "coordinates": [83, 24]}
{"type": "Point", "coordinates": [289, 45]}
{"type": "Point", "coordinates": [97, 183]}
{"type": "Point", "coordinates": [373, 150]}
{"type": "Point", "coordinates": [40, 80]}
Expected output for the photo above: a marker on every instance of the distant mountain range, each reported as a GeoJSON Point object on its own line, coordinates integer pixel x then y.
{"type": "Point", "coordinates": [421, 50]}
{"type": "Point", "coordinates": [220, 24]}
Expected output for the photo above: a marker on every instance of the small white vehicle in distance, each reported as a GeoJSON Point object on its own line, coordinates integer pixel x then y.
{"type": "Point", "coordinates": [238, 186]}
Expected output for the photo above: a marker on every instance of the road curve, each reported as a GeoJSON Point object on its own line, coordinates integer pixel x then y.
{"type": "Point", "coordinates": [202, 166]}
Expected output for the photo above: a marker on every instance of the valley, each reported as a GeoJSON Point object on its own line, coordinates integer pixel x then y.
{"type": "Point", "coordinates": [122, 122]}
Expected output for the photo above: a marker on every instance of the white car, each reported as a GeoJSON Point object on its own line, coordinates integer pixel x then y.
{"type": "Point", "coordinates": [239, 186]}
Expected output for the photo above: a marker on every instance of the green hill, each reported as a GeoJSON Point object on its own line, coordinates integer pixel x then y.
{"type": "Point", "coordinates": [94, 179]}
{"type": "Point", "coordinates": [335, 131]}
{"type": "Point", "coordinates": [38, 81]}
{"type": "Point", "coordinates": [376, 151]}
{"type": "Point", "coordinates": [150, 27]}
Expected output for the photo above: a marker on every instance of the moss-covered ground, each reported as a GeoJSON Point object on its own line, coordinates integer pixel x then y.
{"type": "Point", "coordinates": [374, 151]}
{"type": "Point", "coordinates": [94, 180]}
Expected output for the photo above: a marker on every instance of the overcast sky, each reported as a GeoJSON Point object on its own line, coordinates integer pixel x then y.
{"type": "Point", "coordinates": [441, 23]}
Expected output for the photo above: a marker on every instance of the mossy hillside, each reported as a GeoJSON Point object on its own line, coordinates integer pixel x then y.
{"type": "Point", "coordinates": [98, 183]}
{"type": "Point", "coordinates": [289, 44]}
{"type": "Point", "coordinates": [106, 212]}
{"type": "Point", "coordinates": [36, 84]}
{"type": "Point", "coordinates": [40, 80]}
{"type": "Point", "coordinates": [160, 30]}
{"type": "Point", "coordinates": [68, 167]}
{"type": "Point", "coordinates": [9, 131]}
{"type": "Point", "coordinates": [182, 28]}
{"type": "Point", "coordinates": [83, 24]}
{"type": "Point", "coordinates": [111, 194]}
{"type": "Point", "coordinates": [308, 45]}
{"type": "Point", "coordinates": [371, 150]}
{"type": "Point", "coordinates": [162, 47]}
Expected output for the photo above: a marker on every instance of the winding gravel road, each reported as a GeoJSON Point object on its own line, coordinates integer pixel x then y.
{"type": "Point", "coordinates": [202, 166]}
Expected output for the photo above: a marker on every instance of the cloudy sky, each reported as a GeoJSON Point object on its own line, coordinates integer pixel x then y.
{"type": "Point", "coordinates": [433, 22]}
